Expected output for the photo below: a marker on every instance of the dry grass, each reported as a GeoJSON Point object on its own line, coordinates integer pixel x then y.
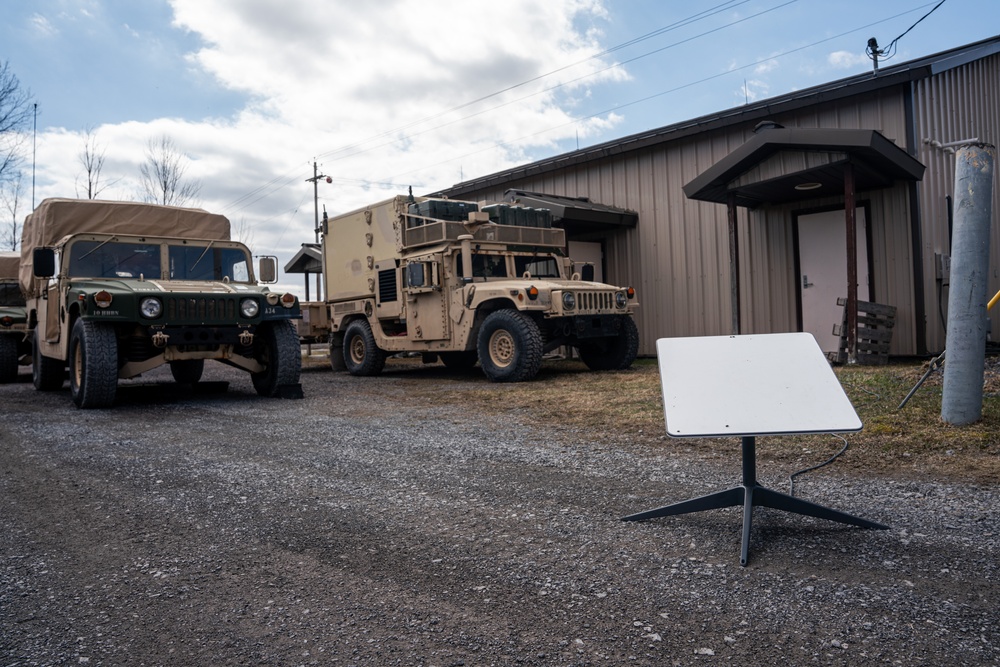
{"type": "Point", "coordinates": [627, 406]}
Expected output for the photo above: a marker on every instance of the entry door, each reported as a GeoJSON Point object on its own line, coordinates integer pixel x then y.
{"type": "Point", "coordinates": [582, 252]}
{"type": "Point", "coordinates": [823, 272]}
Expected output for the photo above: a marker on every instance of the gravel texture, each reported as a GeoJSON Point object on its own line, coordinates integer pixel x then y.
{"type": "Point", "coordinates": [360, 527]}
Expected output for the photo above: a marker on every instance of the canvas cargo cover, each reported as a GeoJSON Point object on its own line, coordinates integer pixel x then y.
{"type": "Point", "coordinates": [57, 218]}
{"type": "Point", "coordinates": [9, 262]}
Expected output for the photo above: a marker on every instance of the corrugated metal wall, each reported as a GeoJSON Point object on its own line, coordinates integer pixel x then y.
{"type": "Point", "coordinates": [678, 255]}
{"type": "Point", "coordinates": [955, 105]}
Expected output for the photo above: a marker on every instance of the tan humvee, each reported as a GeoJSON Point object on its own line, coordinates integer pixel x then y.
{"type": "Point", "coordinates": [15, 346]}
{"type": "Point", "coordinates": [456, 283]}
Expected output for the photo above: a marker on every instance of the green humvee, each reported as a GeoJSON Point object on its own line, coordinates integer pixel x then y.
{"type": "Point", "coordinates": [15, 346]}
{"type": "Point", "coordinates": [116, 289]}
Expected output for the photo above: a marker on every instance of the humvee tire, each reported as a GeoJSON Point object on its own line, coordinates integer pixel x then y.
{"type": "Point", "coordinates": [46, 374]}
{"type": "Point", "coordinates": [277, 348]}
{"type": "Point", "coordinates": [93, 364]}
{"type": "Point", "coordinates": [612, 354]}
{"type": "Point", "coordinates": [460, 362]}
{"type": "Point", "coordinates": [361, 354]}
{"type": "Point", "coordinates": [509, 346]}
{"type": "Point", "coordinates": [8, 359]}
{"type": "Point", "coordinates": [187, 371]}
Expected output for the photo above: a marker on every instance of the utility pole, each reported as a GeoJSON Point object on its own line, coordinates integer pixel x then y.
{"type": "Point", "coordinates": [315, 180]}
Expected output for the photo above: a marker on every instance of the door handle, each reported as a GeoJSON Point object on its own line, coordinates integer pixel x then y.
{"type": "Point", "coordinates": [805, 282]}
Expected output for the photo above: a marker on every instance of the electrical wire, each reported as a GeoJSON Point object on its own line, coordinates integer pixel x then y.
{"type": "Point", "coordinates": [791, 478]}
{"type": "Point", "coordinates": [888, 52]}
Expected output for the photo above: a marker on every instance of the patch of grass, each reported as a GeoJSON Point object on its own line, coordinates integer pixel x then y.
{"type": "Point", "coordinates": [627, 407]}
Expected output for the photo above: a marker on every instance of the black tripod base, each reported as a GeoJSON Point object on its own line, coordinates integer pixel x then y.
{"type": "Point", "coordinates": [750, 496]}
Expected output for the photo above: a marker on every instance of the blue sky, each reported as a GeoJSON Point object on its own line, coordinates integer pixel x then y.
{"type": "Point", "coordinates": [390, 93]}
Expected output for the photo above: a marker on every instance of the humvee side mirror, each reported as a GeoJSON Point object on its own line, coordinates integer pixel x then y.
{"type": "Point", "coordinates": [268, 269]}
{"type": "Point", "coordinates": [43, 262]}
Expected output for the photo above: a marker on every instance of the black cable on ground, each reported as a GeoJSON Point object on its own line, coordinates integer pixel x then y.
{"type": "Point", "coordinates": [791, 478]}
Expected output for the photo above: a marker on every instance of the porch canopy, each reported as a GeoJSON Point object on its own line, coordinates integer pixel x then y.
{"type": "Point", "coordinates": [779, 165]}
{"type": "Point", "coordinates": [308, 260]}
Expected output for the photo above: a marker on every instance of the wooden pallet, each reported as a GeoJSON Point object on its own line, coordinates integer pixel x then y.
{"type": "Point", "coordinates": [875, 322]}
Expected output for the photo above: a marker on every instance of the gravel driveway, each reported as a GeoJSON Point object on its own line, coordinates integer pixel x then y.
{"type": "Point", "coordinates": [360, 527]}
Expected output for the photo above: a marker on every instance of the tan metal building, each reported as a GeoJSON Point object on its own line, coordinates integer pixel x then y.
{"type": "Point", "coordinates": [625, 201]}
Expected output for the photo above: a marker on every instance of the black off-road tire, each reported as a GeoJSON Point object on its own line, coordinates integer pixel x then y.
{"type": "Point", "coordinates": [8, 359]}
{"type": "Point", "coordinates": [187, 371]}
{"type": "Point", "coordinates": [93, 364]}
{"type": "Point", "coordinates": [277, 347]}
{"type": "Point", "coordinates": [509, 346]}
{"type": "Point", "coordinates": [615, 353]}
{"type": "Point", "coordinates": [361, 355]}
{"type": "Point", "coordinates": [460, 362]}
{"type": "Point", "coordinates": [47, 374]}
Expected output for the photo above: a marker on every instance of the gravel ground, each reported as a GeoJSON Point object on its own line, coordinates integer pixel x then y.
{"type": "Point", "coordinates": [359, 527]}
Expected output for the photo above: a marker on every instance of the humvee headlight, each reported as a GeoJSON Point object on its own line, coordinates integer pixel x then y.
{"type": "Point", "coordinates": [103, 299]}
{"type": "Point", "coordinates": [249, 307]}
{"type": "Point", "coordinates": [150, 307]}
{"type": "Point", "coordinates": [569, 301]}
{"type": "Point", "coordinates": [620, 299]}
{"type": "Point", "coordinates": [287, 300]}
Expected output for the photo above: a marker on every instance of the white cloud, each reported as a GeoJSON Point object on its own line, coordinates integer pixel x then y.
{"type": "Point", "coordinates": [847, 60]}
{"type": "Point", "coordinates": [43, 26]}
{"type": "Point", "coordinates": [381, 94]}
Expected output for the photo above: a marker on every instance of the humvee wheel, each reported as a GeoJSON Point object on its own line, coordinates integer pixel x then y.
{"type": "Point", "coordinates": [615, 353]}
{"type": "Point", "coordinates": [361, 354]}
{"type": "Point", "coordinates": [460, 362]}
{"type": "Point", "coordinates": [93, 364]}
{"type": "Point", "coordinates": [277, 348]}
{"type": "Point", "coordinates": [509, 346]}
{"type": "Point", "coordinates": [8, 359]}
{"type": "Point", "coordinates": [187, 371]}
{"type": "Point", "coordinates": [46, 374]}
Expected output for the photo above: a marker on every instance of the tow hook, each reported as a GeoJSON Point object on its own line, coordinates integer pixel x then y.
{"type": "Point", "coordinates": [246, 338]}
{"type": "Point", "coordinates": [160, 339]}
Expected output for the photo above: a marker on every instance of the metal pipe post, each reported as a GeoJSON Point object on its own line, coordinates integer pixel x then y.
{"type": "Point", "coordinates": [962, 399]}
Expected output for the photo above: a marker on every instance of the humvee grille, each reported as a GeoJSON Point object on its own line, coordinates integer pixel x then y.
{"type": "Point", "coordinates": [594, 302]}
{"type": "Point", "coordinates": [200, 309]}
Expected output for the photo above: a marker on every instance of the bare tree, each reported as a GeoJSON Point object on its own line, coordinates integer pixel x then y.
{"type": "Point", "coordinates": [15, 116]}
{"type": "Point", "coordinates": [11, 190]}
{"type": "Point", "coordinates": [92, 159]}
{"type": "Point", "coordinates": [162, 175]}
{"type": "Point", "coordinates": [243, 232]}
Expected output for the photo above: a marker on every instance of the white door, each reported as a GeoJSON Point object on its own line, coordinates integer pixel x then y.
{"type": "Point", "coordinates": [585, 252]}
{"type": "Point", "coordinates": [823, 277]}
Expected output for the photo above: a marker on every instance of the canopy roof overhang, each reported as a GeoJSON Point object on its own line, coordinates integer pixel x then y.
{"type": "Point", "coordinates": [780, 165]}
{"type": "Point", "coordinates": [308, 259]}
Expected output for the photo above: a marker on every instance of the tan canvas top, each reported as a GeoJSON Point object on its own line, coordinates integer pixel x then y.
{"type": "Point", "coordinates": [9, 261]}
{"type": "Point", "coordinates": [55, 219]}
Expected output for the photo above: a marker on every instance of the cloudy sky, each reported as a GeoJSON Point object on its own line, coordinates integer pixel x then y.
{"type": "Point", "coordinates": [387, 94]}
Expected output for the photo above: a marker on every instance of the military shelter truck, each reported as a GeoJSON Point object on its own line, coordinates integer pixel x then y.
{"type": "Point", "coordinates": [456, 283]}
{"type": "Point", "coordinates": [116, 289]}
{"type": "Point", "coordinates": [15, 346]}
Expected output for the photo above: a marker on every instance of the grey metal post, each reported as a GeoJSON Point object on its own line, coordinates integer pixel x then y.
{"type": "Point", "coordinates": [962, 400]}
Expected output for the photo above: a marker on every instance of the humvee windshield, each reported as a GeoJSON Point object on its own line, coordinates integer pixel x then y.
{"type": "Point", "coordinates": [119, 259]}
{"type": "Point", "coordinates": [538, 267]}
